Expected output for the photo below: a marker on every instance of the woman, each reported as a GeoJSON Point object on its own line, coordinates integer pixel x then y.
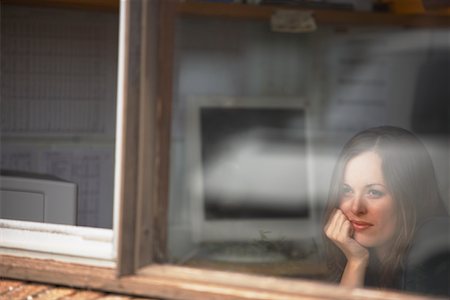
{"type": "Point", "coordinates": [384, 213]}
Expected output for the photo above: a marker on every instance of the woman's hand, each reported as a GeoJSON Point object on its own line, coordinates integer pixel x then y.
{"type": "Point", "coordinates": [340, 231]}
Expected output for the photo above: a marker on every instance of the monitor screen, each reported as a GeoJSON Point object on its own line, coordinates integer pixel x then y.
{"type": "Point", "coordinates": [253, 163]}
{"type": "Point", "coordinates": [247, 169]}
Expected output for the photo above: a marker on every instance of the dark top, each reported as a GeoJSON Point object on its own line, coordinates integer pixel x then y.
{"type": "Point", "coordinates": [426, 268]}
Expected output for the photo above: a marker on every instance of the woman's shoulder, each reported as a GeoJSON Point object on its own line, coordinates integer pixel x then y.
{"type": "Point", "coordinates": [427, 265]}
{"type": "Point", "coordinates": [432, 237]}
{"type": "Point", "coordinates": [433, 226]}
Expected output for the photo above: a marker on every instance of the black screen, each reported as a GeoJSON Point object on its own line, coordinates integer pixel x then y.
{"type": "Point", "coordinates": [254, 163]}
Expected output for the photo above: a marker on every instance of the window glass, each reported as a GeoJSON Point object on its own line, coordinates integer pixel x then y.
{"type": "Point", "coordinates": [259, 119]}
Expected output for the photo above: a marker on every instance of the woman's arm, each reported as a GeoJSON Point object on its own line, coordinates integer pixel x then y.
{"type": "Point", "coordinates": [354, 273]}
{"type": "Point", "coordinates": [339, 231]}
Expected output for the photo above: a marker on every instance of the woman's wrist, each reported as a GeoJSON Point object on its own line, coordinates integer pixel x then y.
{"type": "Point", "coordinates": [354, 272]}
{"type": "Point", "coordinates": [358, 262]}
{"type": "Point", "coordinates": [360, 258]}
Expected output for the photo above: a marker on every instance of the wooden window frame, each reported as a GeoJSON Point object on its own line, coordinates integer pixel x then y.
{"type": "Point", "coordinates": [148, 29]}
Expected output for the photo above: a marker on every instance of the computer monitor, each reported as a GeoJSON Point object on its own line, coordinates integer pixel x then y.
{"type": "Point", "coordinates": [248, 169]}
{"type": "Point", "coordinates": [37, 198]}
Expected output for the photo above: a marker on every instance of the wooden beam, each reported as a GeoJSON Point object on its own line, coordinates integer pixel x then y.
{"type": "Point", "coordinates": [149, 231]}
{"type": "Point", "coordinates": [148, 95]}
{"type": "Point", "coordinates": [109, 5]}
{"type": "Point", "coordinates": [147, 85]}
{"type": "Point", "coordinates": [156, 64]}
{"type": "Point", "coordinates": [128, 116]}
{"type": "Point", "coordinates": [166, 41]}
{"type": "Point", "coordinates": [264, 13]}
{"type": "Point", "coordinates": [171, 282]}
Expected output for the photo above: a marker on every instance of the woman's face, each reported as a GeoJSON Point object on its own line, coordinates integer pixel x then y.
{"type": "Point", "coordinates": [366, 202]}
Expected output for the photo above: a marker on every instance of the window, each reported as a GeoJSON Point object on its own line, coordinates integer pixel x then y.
{"type": "Point", "coordinates": [147, 72]}
{"type": "Point", "coordinates": [58, 132]}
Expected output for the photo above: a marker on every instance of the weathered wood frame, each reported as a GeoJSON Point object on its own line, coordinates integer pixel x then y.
{"type": "Point", "coordinates": [147, 90]}
{"type": "Point", "coordinates": [172, 282]}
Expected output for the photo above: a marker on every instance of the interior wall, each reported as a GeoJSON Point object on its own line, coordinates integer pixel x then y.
{"type": "Point", "coordinates": [58, 95]}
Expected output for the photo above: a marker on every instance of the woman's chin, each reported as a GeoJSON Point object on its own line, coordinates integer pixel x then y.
{"type": "Point", "coordinates": [363, 240]}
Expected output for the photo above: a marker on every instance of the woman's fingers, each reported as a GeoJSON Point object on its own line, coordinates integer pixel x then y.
{"type": "Point", "coordinates": [334, 227]}
{"type": "Point", "coordinates": [341, 224]}
{"type": "Point", "coordinates": [340, 230]}
{"type": "Point", "coordinates": [346, 228]}
{"type": "Point", "coordinates": [349, 229]}
{"type": "Point", "coordinates": [329, 228]}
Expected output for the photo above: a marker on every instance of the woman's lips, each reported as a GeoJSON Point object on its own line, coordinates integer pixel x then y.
{"type": "Point", "coordinates": [360, 225]}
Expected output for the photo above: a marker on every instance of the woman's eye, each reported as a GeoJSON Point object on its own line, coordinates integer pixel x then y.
{"type": "Point", "coordinates": [346, 191]}
{"type": "Point", "coordinates": [375, 193]}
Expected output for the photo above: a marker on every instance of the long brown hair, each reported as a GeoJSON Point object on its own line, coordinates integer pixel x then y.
{"type": "Point", "coordinates": [409, 175]}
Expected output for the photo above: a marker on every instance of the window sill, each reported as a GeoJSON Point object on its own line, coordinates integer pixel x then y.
{"type": "Point", "coordinates": [173, 282]}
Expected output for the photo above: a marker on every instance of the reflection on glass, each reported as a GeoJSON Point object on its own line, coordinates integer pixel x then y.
{"type": "Point", "coordinates": [253, 191]}
{"type": "Point", "coordinates": [247, 187]}
{"type": "Point", "coordinates": [352, 80]}
{"type": "Point", "coordinates": [244, 151]}
{"type": "Point", "coordinates": [385, 220]}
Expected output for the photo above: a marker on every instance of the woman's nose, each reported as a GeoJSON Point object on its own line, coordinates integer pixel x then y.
{"type": "Point", "coordinates": [358, 205]}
